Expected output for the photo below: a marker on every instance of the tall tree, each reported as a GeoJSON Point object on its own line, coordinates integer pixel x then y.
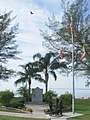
{"type": "Point", "coordinates": [8, 47]}
{"type": "Point", "coordinates": [60, 36]}
{"type": "Point", "coordinates": [47, 64]}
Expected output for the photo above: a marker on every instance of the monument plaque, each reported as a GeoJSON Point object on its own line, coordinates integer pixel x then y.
{"type": "Point", "coordinates": [37, 95]}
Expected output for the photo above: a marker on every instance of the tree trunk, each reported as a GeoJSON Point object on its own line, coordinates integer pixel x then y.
{"type": "Point", "coordinates": [29, 88]}
{"type": "Point", "coordinates": [46, 78]}
{"type": "Point", "coordinates": [46, 85]}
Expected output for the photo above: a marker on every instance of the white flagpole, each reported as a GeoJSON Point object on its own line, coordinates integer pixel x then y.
{"type": "Point", "coordinates": [73, 91]}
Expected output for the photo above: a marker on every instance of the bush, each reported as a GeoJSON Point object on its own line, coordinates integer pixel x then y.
{"type": "Point", "coordinates": [47, 96]}
{"type": "Point", "coordinates": [17, 102]}
{"type": "Point", "coordinates": [5, 97]}
{"type": "Point", "coordinates": [67, 100]}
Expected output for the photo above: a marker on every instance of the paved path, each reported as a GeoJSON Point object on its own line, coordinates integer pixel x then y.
{"type": "Point", "coordinates": [26, 115]}
{"type": "Point", "coordinates": [40, 115]}
{"type": "Point", "coordinates": [38, 112]}
{"type": "Point", "coordinates": [65, 116]}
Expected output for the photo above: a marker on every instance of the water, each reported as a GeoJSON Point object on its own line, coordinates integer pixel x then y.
{"type": "Point", "coordinates": [79, 92]}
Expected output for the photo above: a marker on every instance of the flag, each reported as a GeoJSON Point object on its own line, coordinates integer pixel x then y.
{"type": "Point", "coordinates": [83, 57]}
{"type": "Point", "coordinates": [60, 53]}
{"type": "Point", "coordinates": [71, 27]}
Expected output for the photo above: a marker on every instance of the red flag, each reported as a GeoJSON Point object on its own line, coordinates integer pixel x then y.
{"type": "Point", "coordinates": [71, 27]}
{"type": "Point", "coordinates": [60, 53]}
{"type": "Point", "coordinates": [83, 57]}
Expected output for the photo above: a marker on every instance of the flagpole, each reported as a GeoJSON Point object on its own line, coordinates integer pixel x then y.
{"type": "Point", "coordinates": [73, 83]}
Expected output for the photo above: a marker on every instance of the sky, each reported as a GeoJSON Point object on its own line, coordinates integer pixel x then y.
{"type": "Point", "coordinates": [29, 40]}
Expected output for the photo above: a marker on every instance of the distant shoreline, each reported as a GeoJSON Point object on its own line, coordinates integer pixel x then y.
{"type": "Point", "coordinates": [79, 92]}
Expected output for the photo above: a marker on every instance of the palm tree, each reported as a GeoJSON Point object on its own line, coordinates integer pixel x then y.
{"type": "Point", "coordinates": [30, 71]}
{"type": "Point", "coordinates": [23, 91]}
{"type": "Point", "coordinates": [47, 64]}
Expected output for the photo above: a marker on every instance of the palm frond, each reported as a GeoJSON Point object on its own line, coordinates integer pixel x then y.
{"type": "Point", "coordinates": [39, 78]}
{"type": "Point", "coordinates": [53, 74]}
{"type": "Point", "coordinates": [20, 80]}
{"type": "Point", "coordinates": [38, 56]}
{"type": "Point", "coordinates": [21, 73]}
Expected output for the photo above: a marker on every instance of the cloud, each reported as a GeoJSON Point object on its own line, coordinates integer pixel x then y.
{"type": "Point", "coordinates": [29, 38]}
{"type": "Point", "coordinates": [29, 25]}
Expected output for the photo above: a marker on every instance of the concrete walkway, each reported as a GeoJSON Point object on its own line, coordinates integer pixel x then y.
{"type": "Point", "coordinates": [38, 112]}
{"type": "Point", "coordinates": [65, 116]}
{"type": "Point", "coordinates": [40, 115]}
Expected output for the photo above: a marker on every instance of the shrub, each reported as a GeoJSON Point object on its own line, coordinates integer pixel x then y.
{"type": "Point", "coordinates": [5, 97]}
{"type": "Point", "coordinates": [17, 102]}
{"type": "Point", "coordinates": [47, 96]}
{"type": "Point", "coordinates": [67, 100]}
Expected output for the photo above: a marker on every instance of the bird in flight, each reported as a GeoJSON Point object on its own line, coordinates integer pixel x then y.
{"type": "Point", "coordinates": [31, 12]}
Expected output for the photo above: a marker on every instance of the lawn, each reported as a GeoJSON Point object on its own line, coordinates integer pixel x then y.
{"type": "Point", "coordinates": [14, 118]}
{"type": "Point", "coordinates": [18, 118]}
{"type": "Point", "coordinates": [9, 110]}
{"type": "Point", "coordinates": [82, 106]}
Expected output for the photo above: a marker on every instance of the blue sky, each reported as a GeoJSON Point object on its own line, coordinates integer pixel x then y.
{"type": "Point", "coordinates": [29, 38]}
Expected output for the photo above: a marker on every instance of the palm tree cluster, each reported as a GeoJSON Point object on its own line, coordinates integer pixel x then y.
{"type": "Point", "coordinates": [41, 66]}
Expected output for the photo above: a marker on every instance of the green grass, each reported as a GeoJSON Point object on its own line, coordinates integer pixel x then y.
{"type": "Point", "coordinates": [83, 107]}
{"type": "Point", "coordinates": [2, 117]}
{"type": "Point", "coordinates": [18, 118]}
{"type": "Point", "coordinates": [9, 110]}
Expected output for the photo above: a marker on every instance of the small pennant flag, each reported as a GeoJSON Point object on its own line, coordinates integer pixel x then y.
{"type": "Point", "coordinates": [83, 57]}
{"type": "Point", "coordinates": [60, 53]}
